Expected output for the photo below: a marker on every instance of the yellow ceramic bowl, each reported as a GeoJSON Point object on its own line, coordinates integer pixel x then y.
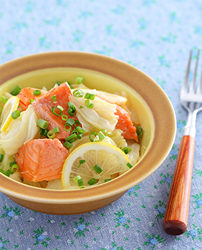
{"type": "Point", "coordinates": [151, 103]}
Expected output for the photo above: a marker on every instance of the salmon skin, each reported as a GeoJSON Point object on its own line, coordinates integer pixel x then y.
{"type": "Point", "coordinates": [44, 104]}
{"type": "Point", "coordinates": [41, 159]}
{"type": "Point", "coordinates": [125, 124]}
{"type": "Point", "coordinates": [26, 95]}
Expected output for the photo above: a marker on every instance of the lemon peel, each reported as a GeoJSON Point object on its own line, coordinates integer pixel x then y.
{"type": "Point", "coordinates": [6, 118]}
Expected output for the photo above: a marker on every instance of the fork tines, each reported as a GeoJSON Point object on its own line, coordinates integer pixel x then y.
{"type": "Point", "coordinates": [192, 93]}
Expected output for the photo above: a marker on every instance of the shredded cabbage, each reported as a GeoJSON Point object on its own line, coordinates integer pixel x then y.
{"type": "Point", "coordinates": [100, 116]}
{"type": "Point", "coordinates": [7, 95]}
{"type": "Point", "coordinates": [112, 98]}
{"type": "Point", "coordinates": [134, 154]}
{"type": "Point", "coordinates": [22, 130]}
{"type": "Point", "coordinates": [55, 184]}
{"type": "Point", "coordinates": [118, 138]}
{"type": "Point", "coordinates": [4, 165]}
{"type": "Point", "coordinates": [18, 177]}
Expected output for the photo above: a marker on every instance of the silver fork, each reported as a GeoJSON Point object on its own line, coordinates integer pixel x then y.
{"type": "Point", "coordinates": [176, 216]}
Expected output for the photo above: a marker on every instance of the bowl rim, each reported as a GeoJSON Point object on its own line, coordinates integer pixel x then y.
{"type": "Point", "coordinates": [108, 66]}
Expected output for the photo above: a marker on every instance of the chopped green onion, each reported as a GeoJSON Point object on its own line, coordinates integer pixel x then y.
{"type": "Point", "coordinates": [139, 131]}
{"type": "Point", "coordinates": [51, 134]}
{"type": "Point", "coordinates": [80, 182]}
{"type": "Point", "coordinates": [92, 133]}
{"type": "Point", "coordinates": [1, 109]}
{"type": "Point", "coordinates": [78, 177]}
{"type": "Point", "coordinates": [60, 107]}
{"type": "Point", "coordinates": [15, 114]}
{"type": "Point", "coordinates": [93, 181]}
{"type": "Point", "coordinates": [81, 162]}
{"type": "Point", "coordinates": [79, 136]}
{"type": "Point", "coordinates": [64, 117]}
{"type": "Point", "coordinates": [67, 129]}
{"type": "Point", "coordinates": [16, 90]}
{"type": "Point", "coordinates": [58, 83]}
{"type": "Point", "coordinates": [56, 130]}
{"type": "Point", "coordinates": [101, 135]}
{"type": "Point", "coordinates": [32, 100]}
{"type": "Point", "coordinates": [79, 80]}
{"type": "Point", "coordinates": [80, 130]}
{"type": "Point", "coordinates": [72, 140]}
{"type": "Point", "coordinates": [71, 111]}
{"type": "Point", "coordinates": [77, 122]}
{"type": "Point", "coordinates": [78, 93]}
{"type": "Point", "coordinates": [81, 107]}
{"type": "Point", "coordinates": [127, 150]}
{"type": "Point", "coordinates": [106, 180]}
{"type": "Point", "coordinates": [53, 97]}
{"type": "Point", "coordinates": [96, 138]}
{"type": "Point", "coordinates": [70, 104]}
{"type": "Point", "coordinates": [37, 92]}
{"type": "Point", "coordinates": [42, 123]}
{"type": "Point", "coordinates": [89, 104]}
{"type": "Point", "coordinates": [3, 99]}
{"type": "Point", "coordinates": [68, 145]}
{"type": "Point", "coordinates": [97, 169]}
{"type": "Point", "coordinates": [12, 163]}
{"type": "Point", "coordinates": [129, 165]}
{"type": "Point", "coordinates": [8, 173]}
{"type": "Point", "coordinates": [73, 136]}
{"type": "Point", "coordinates": [1, 171]}
{"type": "Point", "coordinates": [14, 168]}
{"type": "Point", "coordinates": [104, 131]}
{"type": "Point", "coordinates": [43, 132]}
{"type": "Point", "coordinates": [70, 122]}
{"type": "Point", "coordinates": [74, 131]}
{"type": "Point", "coordinates": [89, 96]}
{"type": "Point", "coordinates": [1, 157]}
{"type": "Point", "coordinates": [56, 108]}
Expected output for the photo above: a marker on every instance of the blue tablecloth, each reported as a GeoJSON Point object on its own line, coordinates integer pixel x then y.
{"type": "Point", "coordinates": [154, 36]}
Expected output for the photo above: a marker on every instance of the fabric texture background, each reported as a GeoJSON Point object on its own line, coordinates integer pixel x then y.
{"type": "Point", "coordinates": [154, 36]}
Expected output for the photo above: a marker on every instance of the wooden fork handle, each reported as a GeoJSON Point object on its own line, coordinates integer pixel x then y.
{"type": "Point", "coordinates": [176, 216]}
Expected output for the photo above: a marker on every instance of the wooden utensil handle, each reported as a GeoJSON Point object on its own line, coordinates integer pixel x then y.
{"type": "Point", "coordinates": [176, 216]}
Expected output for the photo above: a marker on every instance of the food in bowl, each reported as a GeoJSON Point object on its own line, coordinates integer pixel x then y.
{"type": "Point", "coordinates": [152, 106]}
{"type": "Point", "coordinates": [70, 137]}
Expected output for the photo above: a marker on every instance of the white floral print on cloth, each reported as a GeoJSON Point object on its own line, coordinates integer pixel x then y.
{"type": "Point", "coordinates": [154, 36]}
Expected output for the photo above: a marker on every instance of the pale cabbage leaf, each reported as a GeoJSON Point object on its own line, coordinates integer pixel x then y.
{"type": "Point", "coordinates": [118, 138]}
{"type": "Point", "coordinates": [21, 130]}
{"type": "Point", "coordinates": [134, 154]}
{"type": "Point", "coordinates": [101, 116]}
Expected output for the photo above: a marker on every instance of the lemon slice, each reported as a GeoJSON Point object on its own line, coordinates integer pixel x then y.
{"type": "Point", "coordinates": [109, 160]}
{"type": "Point", "coordinates": [10, 106]}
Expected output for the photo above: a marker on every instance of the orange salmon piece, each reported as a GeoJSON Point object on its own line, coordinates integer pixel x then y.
{"type": "Point", "coordinates": [44, 104]}
{"type": "Point", "coordinates": [125, 124]}
{"type": "Point", "coordinates": [26, 95]}
{"type": "Point", "coordinates": [41, 159]}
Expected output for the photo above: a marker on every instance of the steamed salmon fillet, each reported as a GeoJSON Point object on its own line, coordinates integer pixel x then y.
{"type": "Point", "coordinates": [44, 104]}
{"type": "Point", "coordinates": [26, 95]}
{"type": "Point", "coordinates": [41, 159]}
{"type": "Point", "coordinates": [125, 124]}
